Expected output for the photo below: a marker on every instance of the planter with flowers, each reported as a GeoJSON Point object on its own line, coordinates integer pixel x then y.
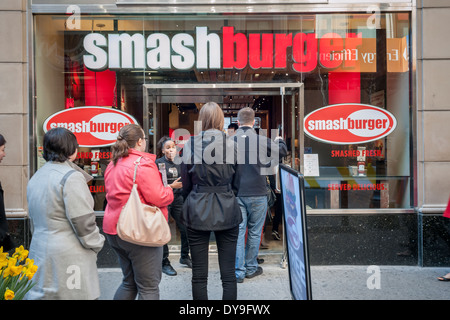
{"type": "Point", "coordinates": [16, 273]}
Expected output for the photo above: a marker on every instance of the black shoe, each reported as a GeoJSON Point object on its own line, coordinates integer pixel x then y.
{"type": "Point", "coordinates": [260, 260]}
{"type": "Point", "coordinates": [239, 280]}
{"type": "Point", "coordinates": [276, 235]}
{"type": "Point", "coordinates": [169, 270]}
{"type": "Point", "coordinates": [186, 261]}
{"type": "Point", "coordinates": [258, 272]}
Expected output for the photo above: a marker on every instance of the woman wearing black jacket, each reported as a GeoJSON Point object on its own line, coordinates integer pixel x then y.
{"type": "Point", "coordinates": [5, 239]}
{"type": "Point", "coordinates": [207, 173]}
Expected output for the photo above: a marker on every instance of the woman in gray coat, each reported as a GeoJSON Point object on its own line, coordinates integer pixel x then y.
{"type": "Point", "coordinates": [65, 239]}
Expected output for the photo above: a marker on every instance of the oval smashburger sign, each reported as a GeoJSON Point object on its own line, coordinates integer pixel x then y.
{"type": "Point", "coordinates": [349, 123]}
{"type": "Point", "coordinates": [93, 126]}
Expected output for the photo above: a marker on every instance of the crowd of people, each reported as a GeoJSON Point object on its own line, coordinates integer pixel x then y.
{"type": "Point", "coordinates": [226, 197]}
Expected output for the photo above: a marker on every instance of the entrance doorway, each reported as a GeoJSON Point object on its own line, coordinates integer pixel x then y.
{"type": "Point", "coordinates": [279, 106]}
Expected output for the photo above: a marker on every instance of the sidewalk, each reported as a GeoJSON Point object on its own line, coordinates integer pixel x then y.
{"type": "Point", "coordinates": [327, 283]}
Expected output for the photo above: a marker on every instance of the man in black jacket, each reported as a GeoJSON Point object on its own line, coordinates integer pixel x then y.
{"type": "Point", "coordinates": [257, 157]}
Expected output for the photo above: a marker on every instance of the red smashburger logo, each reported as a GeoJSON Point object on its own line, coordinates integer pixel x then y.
{"type": "Point", "coordinates": [93, 126]}
{"type": "Point", "coordinates": [349, 123]}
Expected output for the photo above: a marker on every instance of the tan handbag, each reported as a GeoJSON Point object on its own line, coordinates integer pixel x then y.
{"type": "Point", "coordinates": [140, 223]}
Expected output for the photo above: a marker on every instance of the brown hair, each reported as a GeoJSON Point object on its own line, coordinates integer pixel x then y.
{"type": "Point", "coordinates": [246, 116]}
{"type": "Point", "coordinates": [127, 138]}
{"type": "Point", "coordinates": [211, 116]}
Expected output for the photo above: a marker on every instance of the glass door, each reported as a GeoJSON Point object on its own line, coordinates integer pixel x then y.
{"type": "Point", "coordinates": [278, 109]}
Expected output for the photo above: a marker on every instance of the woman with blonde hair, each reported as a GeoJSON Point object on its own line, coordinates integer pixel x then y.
{"type": "Point", "coordinates": [211, 205]}
{"type": "Point", "coordinates": [141, 265]}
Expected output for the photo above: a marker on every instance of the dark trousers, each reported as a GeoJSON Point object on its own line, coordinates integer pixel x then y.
{"type": "Point", "coordinates": [226, 246]}
{"type": "Point", "coordinates": [141, 268]}
{"type": "Point", "coordinates": [175, 209]}
{"type": "Point", "coordinates": [278, 212]}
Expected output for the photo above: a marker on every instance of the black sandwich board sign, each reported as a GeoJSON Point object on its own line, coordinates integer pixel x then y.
{"type": "Point", "coordinates": [292, 188]}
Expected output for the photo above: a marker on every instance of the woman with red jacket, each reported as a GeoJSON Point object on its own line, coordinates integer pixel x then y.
{"type": "Point", "coordinates": [141, 265]}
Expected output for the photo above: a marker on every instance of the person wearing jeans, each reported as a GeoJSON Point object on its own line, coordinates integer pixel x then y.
{"type": "Point", "coordinates": [250, 183]}
{"type": "Point", "coordinates": [253, 214]}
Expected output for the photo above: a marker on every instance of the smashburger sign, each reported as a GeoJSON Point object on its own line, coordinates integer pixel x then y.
{"type": "Point", "coordinates": [93, 126]}
{"type": "Point", "coordinates": [349, 123]}
{"type": "Point", "coordinates": [227, 49]}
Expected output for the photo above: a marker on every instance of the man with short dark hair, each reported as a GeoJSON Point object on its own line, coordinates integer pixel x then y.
{"type": "Point", "coordinates": [254, 163]}
{"type": "Point", "coordinates": [232, 128]}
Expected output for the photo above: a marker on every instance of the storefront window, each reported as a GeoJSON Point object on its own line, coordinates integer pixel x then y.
{"type": "Point", "coordinates": [353, 67]}
{"type": "Point", "coordinates": [371, 168]}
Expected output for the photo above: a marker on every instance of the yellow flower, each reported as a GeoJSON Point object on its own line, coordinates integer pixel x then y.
{"type": "Point", "coordinates": [30, 273]}
{"type": "Point", "coordinates": [3, 259]}
{"type": "Point", "coordinates": [9, 294]}
{"type": "Point", "coordinates": [16, 270]}
{"type": "Point", "coordinates": [29, 268]}
{"type": "Point", "coordinates": [10, 270]}
{"type": "Point", "coordinates": [21, 253]}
